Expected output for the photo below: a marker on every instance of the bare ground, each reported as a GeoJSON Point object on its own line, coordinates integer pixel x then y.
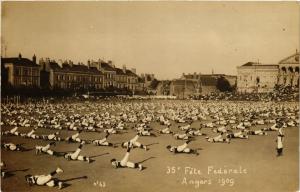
{"type": "Point", "coordinates": [265, 171]}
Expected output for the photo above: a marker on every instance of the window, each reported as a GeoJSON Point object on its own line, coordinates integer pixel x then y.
{"type": "Point", "coordinates": [25, 71]}
{"type": "Point", "coordinates": [17, 71]}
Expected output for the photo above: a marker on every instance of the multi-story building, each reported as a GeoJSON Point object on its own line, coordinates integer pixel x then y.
{"type": "Point", "coordinates": [289, 71]}
{"type": "Point", "coordinates": [163, 87]}
{"type": "Point", "coordinates": [67, 75]}
{"type": "Point", "coordinates": [132, 80]}
{"type": "Point", "coordinates": [108, 70]}
{"type": "Point", "coordinates": [183, 88]}
{"type": "Point", "coordinates": [257, 77]}
{"type": "Point", "coordinates": [21, 72]}
{"type": "Point", "coordinates": [147, 78]}
{"type": "Point", "coordinates": [141, 86]}
{"type": "Point", "coordinates": [71, 76]}
{"type": "Point", "coordinates": [121, 78]}
{"type": "Point", "coordinates": [207, 83]}
{"type": "Point", "coordinates": [116, 77]}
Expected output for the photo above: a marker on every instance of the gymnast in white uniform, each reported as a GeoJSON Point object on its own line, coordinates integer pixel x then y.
{"type": "Point", "coordinates": [45, 179]}
{"type": "Point", "coordinates": [125, 163]}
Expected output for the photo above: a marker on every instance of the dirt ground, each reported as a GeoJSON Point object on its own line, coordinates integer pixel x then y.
{"type": "Point", "coordinates": [261, 170]}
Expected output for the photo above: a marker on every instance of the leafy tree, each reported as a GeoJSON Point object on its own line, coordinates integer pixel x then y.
{"type": "Point", "coordinates": [223, 84]}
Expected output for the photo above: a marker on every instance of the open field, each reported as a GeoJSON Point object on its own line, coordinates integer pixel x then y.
{"type": "Point", "coordinates": [262, 170]}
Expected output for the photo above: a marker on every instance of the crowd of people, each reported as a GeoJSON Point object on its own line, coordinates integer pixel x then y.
{"type": "Point", "coordinates": [280, 93]}
{"type": "Point", "coordinates": [186, 120]}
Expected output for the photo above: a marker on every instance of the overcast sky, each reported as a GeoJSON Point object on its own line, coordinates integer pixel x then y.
{"type": "Point", "coordinates": [164, 38]}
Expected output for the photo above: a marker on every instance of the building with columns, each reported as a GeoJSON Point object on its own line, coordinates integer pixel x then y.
{"type": "Point", "coordinates": [289, 71]}
{"type": "Point", "coordinates": [259, 78]}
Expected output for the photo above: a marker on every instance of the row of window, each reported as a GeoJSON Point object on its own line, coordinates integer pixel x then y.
{"type": "Point", "coordinates": [63, 77]}
{"type": "Point", "coordinates": [73, 86]}
{"type": "Point", "coordinates": [245, 78]}
{"type": "Point", "coordinates": [26, 81]}
{"type": "Point", "coordinates": [26, 71]}
{"type": "Point", "coordinates": [109, 75]}
{"type": "Point", "coordinates": [78, 78]}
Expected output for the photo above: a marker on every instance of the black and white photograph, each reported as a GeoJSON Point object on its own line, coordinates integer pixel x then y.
{"type": "Point", "coordinates": [131, 96]}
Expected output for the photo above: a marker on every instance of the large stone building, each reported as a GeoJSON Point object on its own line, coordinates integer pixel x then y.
{"type": "Point", "coordinates": [121, 78]}
{"type": "Point", "coordinates": [183, 88]}
{"type": "Point", "coordinates": [116, 77]}
{"type": "Point", "coordinates": [48, 73]}
{"type": "Point", "coordinates": [256, 77]}
{"type": "Point", "coordinates": [259, 78]}
{"type": "Point", "coordinates": [108, 69]}
{"type": "Point", "coordinates": [289, 71]}
{"type": "Point", "coordinates": [21, 72]}
{"type": "Point", "coordinates": [207, 83]}
{"type": "Point", "coordinates": [71, 76]}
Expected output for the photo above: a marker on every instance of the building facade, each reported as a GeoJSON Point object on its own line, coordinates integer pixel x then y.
{"type": "Point", "coordinates": [132, 80]}
{"type": "Point", "coordinates": [289, 71]}
{"type": "Point", "coordinates": [259, 78]}
{"type": "Point", "coordinates": [21, 72]}
{"type": "Point", "coordinates": [184, 88]}
{"type": "Point", "coordinates": [121, 78]}
{"type": "Point", "coordinates": [72, 76]}
{"type": "Point", "coordinates": [256, 78]}
{"type": "Point", "coordinates": [207, 83]}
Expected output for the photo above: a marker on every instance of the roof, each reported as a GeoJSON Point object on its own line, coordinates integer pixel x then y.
{"type": "Point", "coordinates": [182, 82]}
{"type": "Point", "coordinates": [250, 64]}
{"type": "Point", "coordinates": [74, 68]}
{"type": "Point", "coordinates": [191, 76]}
{"type": "Point", "coordinates": [19, 62]}
{"type": "Point", "coordinates": [130, 73]}
{"type": "Point", "coordinates": [293, 59]}
{"type": "Point", "coordinates": [208, 81]}
{"type": "Point", "coordinates": [119, 71]}
{"type": "Point", "coordinates": [140, 80]}
{"type": "Point", "coordinates": [258, 64]}
{"type": "Point", "coordinates": [107, 67]}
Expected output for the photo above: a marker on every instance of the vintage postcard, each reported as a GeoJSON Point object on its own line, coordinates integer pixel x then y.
{"type": "Point", "coordinates": [131, 96]}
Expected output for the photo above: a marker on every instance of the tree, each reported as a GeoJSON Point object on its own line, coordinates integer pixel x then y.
{"type": "Point", "coordinates": [154, 84]}
{"type": "Point", "coordinates": [223, 84]}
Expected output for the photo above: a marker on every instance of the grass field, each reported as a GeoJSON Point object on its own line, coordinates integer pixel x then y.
{"type": "Point", "coordinates": [256, 156]}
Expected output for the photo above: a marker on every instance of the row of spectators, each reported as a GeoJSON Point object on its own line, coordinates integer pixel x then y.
{"type": "Point", "coordinates": [280, 93]}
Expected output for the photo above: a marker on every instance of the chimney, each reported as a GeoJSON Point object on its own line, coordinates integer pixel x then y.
{"type": "Point", "coordinates": [110, 63]}
{"type": "Point", "coordinates": [20, 56]}
{"type": "Point", "coordinates": [34, 59]}
{"type": "Point", "coordinates": [133, 70]}
{"type": "Point", "coordinates": [42, 64]}
{"type": "Point", "coordinates": [70, 63]}
{"type": "Point", "coordinates": [152, 76]}
{"type": "Point", "coordinates": [124, 68]}
{"type": "Point", "coordinates": [89, 63]}
{"type": "Point", "coordinates": [60, 63]}
{"type": "Point", "coordinates": [47, 60]}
